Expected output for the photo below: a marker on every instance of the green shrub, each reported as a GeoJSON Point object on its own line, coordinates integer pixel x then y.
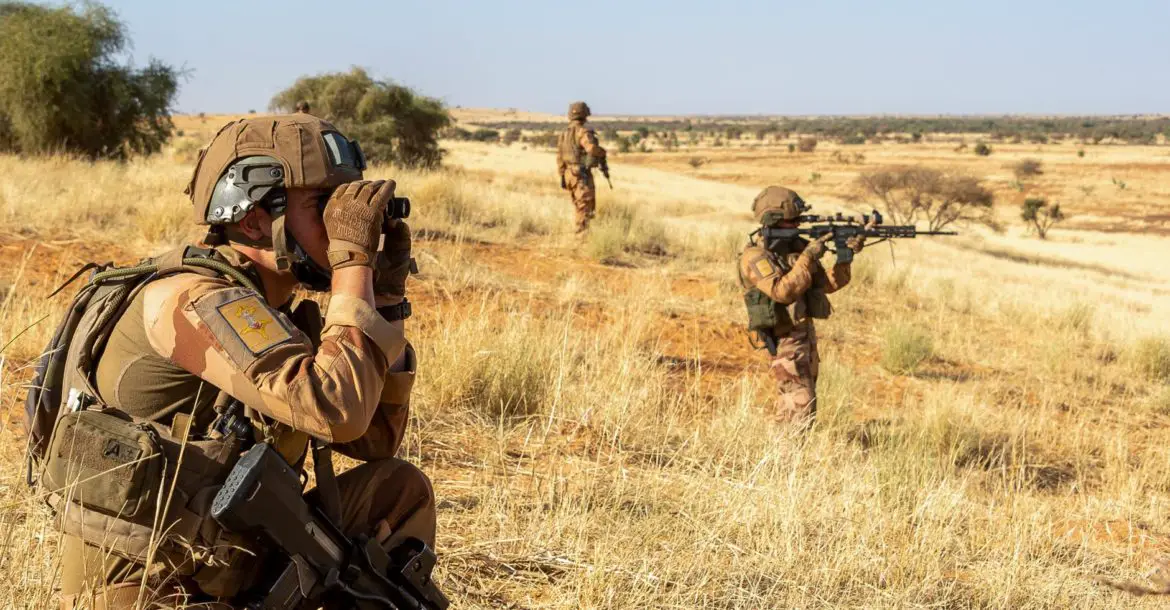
{"type": "Point", "coordinates": [1026, 168]}
{"type": "Point", "coordinates": [1041, 216]}
{"type": "Point", "coordinates": [393, 123]}
{"type": "Point", "coordinates": [807, 145]}
{"type": "Point", "coordinates": [546, 140]}
{"type": "Point", "coordinates": [485, 135]}
{"type": "Point", "coordinates": [905, 348]}
{"type": "Point", "coordinates": [982, 149]}
{"type": "Point", "coordinates": [62, 88]}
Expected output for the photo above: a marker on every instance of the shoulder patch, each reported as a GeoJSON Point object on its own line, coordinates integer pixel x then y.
{"type": "Point", "coordinates": [242, 324]}
{"type": "Point", "coordinates": [763, 267]}
{"type": "Point", "coordinates": [254, 323]}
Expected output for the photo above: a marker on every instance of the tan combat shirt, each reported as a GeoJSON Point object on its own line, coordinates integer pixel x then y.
{"type": "Point", "coordinates": [760, 268]}
{"type": "Point", "coordinates": [228, 336]}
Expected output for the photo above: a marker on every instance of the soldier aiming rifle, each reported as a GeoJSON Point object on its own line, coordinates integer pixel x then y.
{"type": "Point", "coordinates": [786, 287]}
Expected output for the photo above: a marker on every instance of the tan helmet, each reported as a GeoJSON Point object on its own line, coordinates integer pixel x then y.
{"type": "Point", "coordinates": [778, 203]}
{"type": "Point", "coordinates": [254, 158]}
{"type": "Point", "coordinates": [578, 111]}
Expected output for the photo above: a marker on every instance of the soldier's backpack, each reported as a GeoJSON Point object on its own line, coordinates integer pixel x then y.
{"type": "Point", "coordinates": [102, 471]}
{"type": "Point", "coordinates": [80, 337]}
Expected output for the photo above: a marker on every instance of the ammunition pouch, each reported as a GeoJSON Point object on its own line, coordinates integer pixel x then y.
{"type": "Point", "coordinates": [766, 315]}
{"type": "Point", "coordinates": [106, 463]}
{"type": "Point", "coordinates": [817, 305]}
{"type": "Point", "coordinates": [107, 475]}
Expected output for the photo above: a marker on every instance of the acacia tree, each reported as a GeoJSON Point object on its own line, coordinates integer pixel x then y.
{"type": "Point", "coordinates": [1040, 216]}
{"type": "Point", "coordinates": [939, 198]}
{"type": "Point", "coordinates": [62, 88]}
{"type": "Point", "coordinates": [393, 123]}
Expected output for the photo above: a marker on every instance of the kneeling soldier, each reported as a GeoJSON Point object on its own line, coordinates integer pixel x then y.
{"type": "Point", "coordinates": [168, 377]}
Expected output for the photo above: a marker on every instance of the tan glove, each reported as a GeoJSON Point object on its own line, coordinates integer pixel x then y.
{"type": "Point", "coordinates": [816, 249]}
{"type": "Point", "coordinates": [353, 221]}
{"type": "Point", "coordinates": [857, 242]}
{"type": "Point", "coordinates": [393, 263]}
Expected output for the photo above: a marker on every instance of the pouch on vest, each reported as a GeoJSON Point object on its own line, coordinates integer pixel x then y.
{"type": "Point", "coordinates": [817, 304]}
{"type": "Point", "coordinates": [105, 463]}
{"type": "Point", "coordinates": [766, 315]}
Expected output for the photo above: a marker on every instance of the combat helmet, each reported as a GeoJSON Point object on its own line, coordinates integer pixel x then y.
{"type": "Point", "coordinates": [253, 159]}
{"type": "Point", "coordinates": [578, 111]}
{"type": "Point", "coordinates": [251, 162]}
{"type": "Point", "coordinates": [777, 203]}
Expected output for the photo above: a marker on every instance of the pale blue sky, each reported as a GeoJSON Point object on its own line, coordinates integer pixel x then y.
{"type": "Point", "coordinates": [682, 57]}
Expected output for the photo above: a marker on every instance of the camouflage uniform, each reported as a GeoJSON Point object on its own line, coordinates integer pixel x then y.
{"type": "Point", "coordinates": [188, 340]}
{"type": "Point", "coordinates": [577, 154]}
{"type": "Point", "coordinates": [792, 278]}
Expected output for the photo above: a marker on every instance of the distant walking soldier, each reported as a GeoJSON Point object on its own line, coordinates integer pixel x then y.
{"type": "Point", "coordinates": [785, 289]}
{"type": "Point", "coordinates": [577, 154]}
{"type": "Point", "coordinates": [303, 106]}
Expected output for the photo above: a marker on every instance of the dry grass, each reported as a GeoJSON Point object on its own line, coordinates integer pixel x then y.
{"type": "Point", "coordinates": [598, 433]}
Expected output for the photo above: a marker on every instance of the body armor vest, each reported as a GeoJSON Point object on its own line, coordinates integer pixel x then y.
{"type": "Point", "coordinates": [776, 319]}
{"type": "Point", "coordinates": [569, 150]}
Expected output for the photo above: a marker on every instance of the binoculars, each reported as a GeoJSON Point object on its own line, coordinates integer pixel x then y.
{"type": "Point", "coordinates": [398, 208]}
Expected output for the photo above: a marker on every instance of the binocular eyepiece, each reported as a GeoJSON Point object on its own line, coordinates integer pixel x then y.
{"type": "Point", "coordinates": [398, 208]}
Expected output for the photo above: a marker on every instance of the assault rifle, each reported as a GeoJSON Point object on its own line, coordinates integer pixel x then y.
{"type": "Point", "coordinates": [262, 498]}
{"type": "Point", "coordinates": [842, 228]}
{"type": "Point", "coordinates": [603, 165]}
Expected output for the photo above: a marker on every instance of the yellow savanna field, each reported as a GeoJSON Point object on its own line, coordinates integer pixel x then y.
{"type": "Point", "coordinates": [994, 408]}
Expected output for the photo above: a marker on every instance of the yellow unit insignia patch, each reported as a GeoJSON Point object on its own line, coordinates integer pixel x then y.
{"type": "Point", "coordinates": [254, 323]}
{"type": "Point", "coordinates": [764, 267]}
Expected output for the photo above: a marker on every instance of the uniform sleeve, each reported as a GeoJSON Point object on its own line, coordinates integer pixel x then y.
{"type": "Point", "coordinates": [231, 338]}
{"type": "Point", "coordinates": [838, 277]}
{"type": "Point", "coordinates": [758, 268]}
{"type": "Point", "coordinates": [588, 140]}
{"type": "Point", "coordinates": [383, 437]}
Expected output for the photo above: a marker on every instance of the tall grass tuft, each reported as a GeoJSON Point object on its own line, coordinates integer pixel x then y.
{"type": "Point", "coordinates": [1151, 358]}
{"type": "Point", "coordinates": [905, 347]}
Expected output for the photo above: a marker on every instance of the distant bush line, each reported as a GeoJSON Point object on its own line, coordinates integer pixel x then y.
{"type": "Point", "coordinates": [854, 130]}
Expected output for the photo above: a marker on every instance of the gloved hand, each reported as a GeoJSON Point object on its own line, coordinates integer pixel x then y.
{"type": "Point", "coordinates": [857, 242]}
{"type": "Point", "coordinates": [816, 249]}
{"type": "Point", "coordinates": [353, 221]}
{"type": "Point", "coordinates": [393, 264]}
